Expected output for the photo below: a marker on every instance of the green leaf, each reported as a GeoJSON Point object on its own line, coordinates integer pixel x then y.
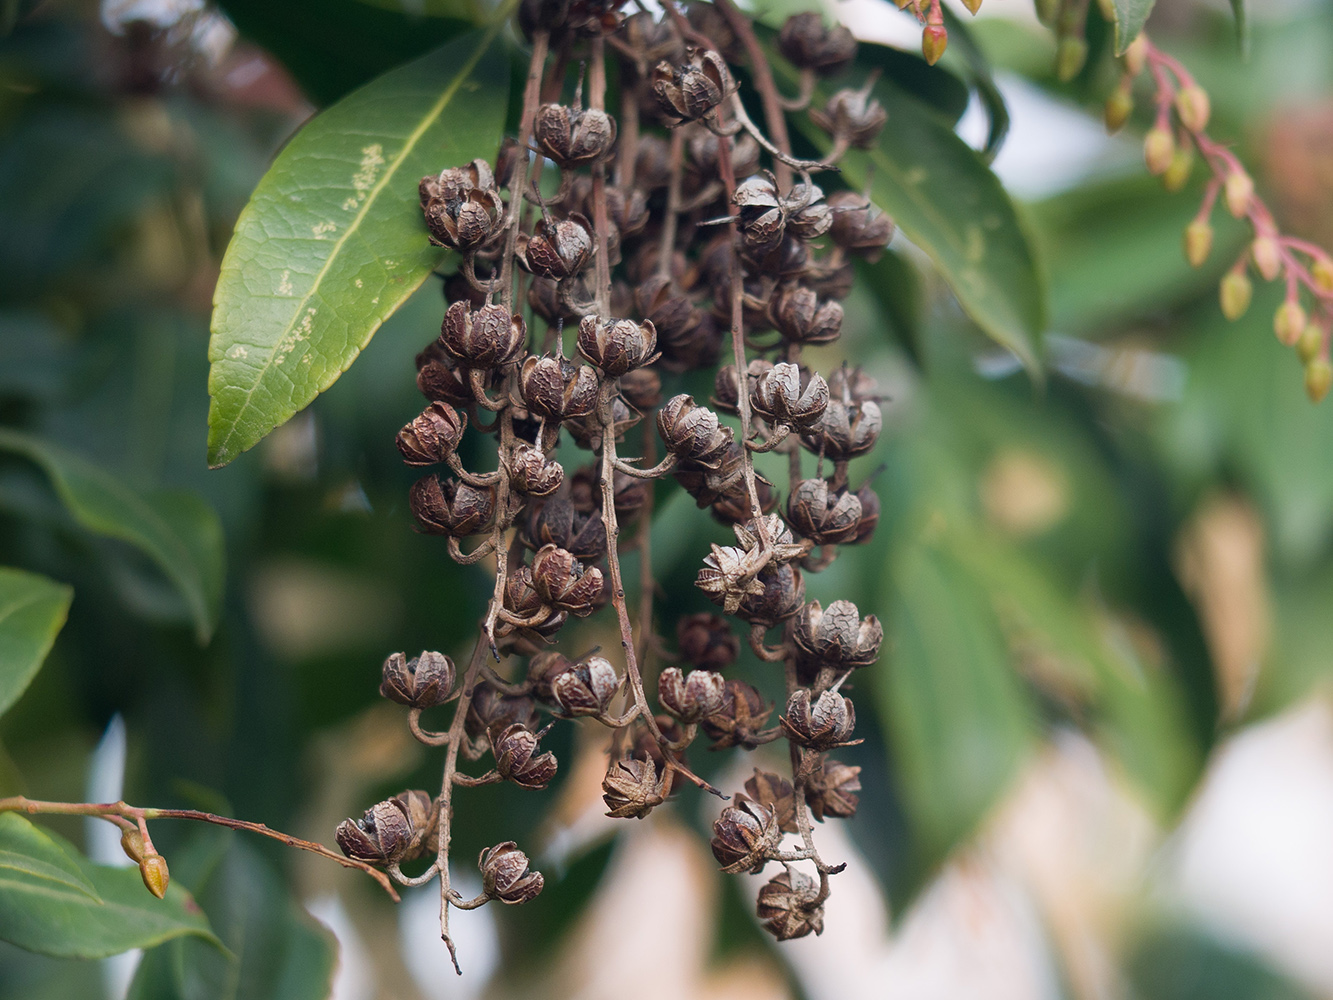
{"type": "Point", "coordinates": [67, 921]}
{"type": "Point", "coordinates": [32, 611]}
{"type": "Point", "coordinates": [1130, 16]}
{"type": "Point", "coordinates": [177, 530]}
{"type": "Point", "coordinates": [30, 859]}
{"type": "Point", "coordinates": [332, 241]}
{"type": "Point", "coordinates": [957, 717]}
{"type": "Point", "coordinates": [1242, 18]}
{"type": "Point", "coordinates": [965, 53]}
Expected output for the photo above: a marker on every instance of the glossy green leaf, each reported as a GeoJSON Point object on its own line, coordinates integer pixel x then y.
{"type": "Point", "coordinates": [29, 859]}
{"type": "Point", "coordinates": [177, 530]}
{"type": "Point", "coordinates": [965, 53]}
{"type": "Point", "coordinates": [332, 241]}
{"type": "Point", "coordinates": [32, 611]}
{"type": "Point", "coordinates": [67, 921]}
{"type": "Point", "coordinates": [1130, 16]}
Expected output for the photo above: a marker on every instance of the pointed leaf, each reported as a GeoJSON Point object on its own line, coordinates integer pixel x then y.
{"type": "Point", "coordinates": [1130, 16]}
{"type": "Point", "coordinates": [1242, 26]}
{"type": "Point", "coordinates": [32, 611]}
{"type": "Point", "coordinates": [332, 241]}
{"type": "Point", "coordinates": [29, 858]}
{"type": "Point", "coordinates": [179, 531]}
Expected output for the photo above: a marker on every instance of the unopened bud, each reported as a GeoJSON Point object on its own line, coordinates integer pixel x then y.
{"type": "Point", "coordinates": [131, 842]}
{"type": "Point", "coordinates": [1239, 192]}
{"type": "Point", "coordinates": [1318, 378]}
{"type": "Point", "coordinates": [1070, 56]}
{"type": "Point", "coordinates": [1119, 106]}
{"type": "Point", "coordinates": [1193, 106]}
{"type": "Point", "coordinates": [1308, 347]}
{"type": "Point", "coordinates": [972, 5]}
{"type": "Point", "coordinates": [1136, 55]}
{"type": "Point", "coordinates": [1322, 272]}
{"type": "Point", "coordinates": [1198, 242]}
{"type": "Point", "coordinates": [1267, 257]}
{"type": "Point", "coordinates": [1177, 174]}
{"type": "Point", "coordinates": [1235, 292]}
{"type": "Point", "coordinates": [153, 867]}
{"type": "Point", "coordinates": [1158, 150]}
{"type": "Point", "coordinates": [934, 40]}
{"type": "Point", "coordinates": [1289, 322]}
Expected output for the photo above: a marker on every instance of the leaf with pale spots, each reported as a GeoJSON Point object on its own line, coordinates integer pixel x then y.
{"type": "Point", "coordinates": [332, 241]}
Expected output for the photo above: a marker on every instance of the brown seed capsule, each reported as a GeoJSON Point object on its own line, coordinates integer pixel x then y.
{"type": "Point", "coordinates": [852, 385]}
{"type": "Point", "coordinates": [463, 210]}
{"type": "Point", "coordinates": [692, 432]}
{"type": "Point", "coordinates": [505, 874]}
{"type": "Point", "coordinates": [432, 435]}
{"type": "Point", "coordinates": [838, 636]}
{"type": "Point", "coordinates": [822, 725]}
{"type": "Point", "coordinates": [562, 582]}
{"type": "Point", "coordinates": [516, 757]}
{"type": "Point", "coordinates": [395, 830]}
{"type": "Point", "coordinates": [690, 697]}
{"type": "Point", "coordinates": [703, 165]}
{"type": "Point", "coordinates": [573, 137]}
{"type": "Point", "coordinates": [587, 431]}
{"type": "Point", "coordinates": [822, 514]}
{"type": "Point", "coordinates": [633, 787]}
{"type": "Point", "coordinates": [788, 906]}
{"type": "Point", "coordinates": [845, 431]}
{"type": "Point", "coordinates": [440, 376]}
{"type": "Point", "coordinates": [558, 249]}
{"type": "Point", "coordinates": [421, 682]}
{"type": "Point", "coordinates": [744, 835]}
{"type": "Point", "coordinates": [574, 688]}
{"type": "Point", "coordinates": [735, 508]}
{"type": "Point", "coordinates": [558, 523]}
{"type": "Point", "coordinates": [706, 641]}
{"type": "Point", "coordinates": [661, 301]}
{"type": "Point", "coordinates": [776, 793]}
{"type": "Point", "coordinates": [785, 395]}
{"type": "Point", "coordinates": [492, 709]}
{"type": "Point", "coordinates": [858, 227]}
{"type": "Point", "coordinates": [489, 337]}
{"type": "Point", "coordinates": [153, 871]}
{"type": "Point", "coordinates": [616, 346]}
{"type": "Point", "coordinates": [554, 387]}
{"type": "Point", "coordinates": [743, 715]}
{"type": "Point", "coordinates": [763, 217]}
{"type": "Point", "coordinates": [852, 116]}
{"type": "Point", "coordinates": [450, 507]}
{"type": "Point", "coordinates": [869, 514]}
{"type": "Point", "coordinates": [532, 474]}
{"type": "Point", "coordinates": [687, 91]}
{"type": "Point", "coordinates": [727, 578]}
{"type": "Point", "coordinates": [710, 485]}
{"type": "Point", "coordinates": [808, 43]}
{"type": "Point", "coordinates": [831, 790]}
{"type": "Point", "coordinates": [641, 388]}
{"type": "Point", "coordinates": [802, 318]}
{"type": "Point", "coordinates": [696, 348]}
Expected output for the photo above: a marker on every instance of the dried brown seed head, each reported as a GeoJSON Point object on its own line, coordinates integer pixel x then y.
{"type": "Point", "coordinates": [688, 91]}
{"type": "Point", "coordinates": [690, 697]}
{"type": "Point", "coordinates": [516, 757]}
{"type": "Point", "coordinates": [562, 582]}
{"type": "Point", "coordinates": [532, 474]}
{"type": "Point", "coordinates": [641, 388]}
{"type": "Point", "coordinates": [831, 790]}
{"type": "Point", "coordinates": [573, 137]}
{"type": "Point", "coordinates": [554, 387]}
{"type": "Point", "coordinates": [558, 249]}
{"type": "Point", "coordinates": [670, 309]}
{"type": "Point", "coordinates": [489, 337]}
{"type": "Point", "coordinates": [463, 210]}
{"type": "Point", "coordinates": [823, 724]}
{"type": "Point", "coordinates": [802, 318]}
{"type": "Point", "coordinates": [616, 346]}
{"type": "Point", "coordinates": [776, 793]}
{"type": "Point", "coordinates": [706, 641]}
{"type": "Point", "coordinates": [691, 432]}
{"type": "Point", "coordinates": [632, 788]}
{"type": "Point", "coordinates": [858, 227]}
{"type": "Point", "coordinates": [574, 688]}
{"type": "Point", "coordinates": [845, 431]}
{"type": "Point", "coordinates": [808, 43]}
{"type": "Point", "coordinates": [743, 715]}
{"type": "Point", "coordinates": [505, 874]}
{"type": "Point", "coordinates": [493, 709]}
{"type": "Point", "coordinates": [582, 533]}
{"type": "Point", "coordinates": [786, 395]}
{"type": "Point", "coordinates": [852, 116]}
{"type": "Point", "coordinates": [440, 376]}
{"type": "Point", "coordinates": [391, 831]}
{"type": "Point", "coordinates": [421, 682]}
{"type": "Point", "coordinates": [727, 577]}
{"type": "Point", "coordinates": [789, 906]}
{"type": "Point", "coordinates": [432, 435]}
{"type": "Point", "coordinates": [451, 507]}
{"type": "Point", "coordinates": [744, 835]}
{"type": "Point", "coordinates": [822, 514]}
{"type": "Point", "coordinates": [837, 637]}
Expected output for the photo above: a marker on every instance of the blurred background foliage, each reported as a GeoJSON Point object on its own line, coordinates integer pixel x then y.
{"type": "Point", "coordinates": [1137, 546]}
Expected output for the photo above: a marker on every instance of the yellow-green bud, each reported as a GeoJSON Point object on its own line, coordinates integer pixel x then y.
{"type": "Point", "coordinates": [1235, 293]}
{"type": "Point", "coordinates": [1158, 149]}
{"type": "Point", "coordinates": [1119, 106]}
{"type": "Point", "coordinates": [972, 5]}
{"type": "Point", "coordinates": [131, 842]}
{"type": "Point", "coordinates": [1289, 322]}
{"type": "Point", "coordinates": [153, 868]}
{"type": "Point", "coordinates": [934, 40]}
{"type": "Point", "coordinates": [1312, 340]}
{"type": "Point", "coordinates": [1239, 191]}
{"type": "Point", "coordinates": [1070, 55]}
{"type": "Point", "coordinates": [1322, 272]}
{"type": "Point", "coordinates": [1318, 378]}
{"type": "Point", "coordinates": [1177, 175]}
{"type": "Point", "coordinates": [1193, 107]}
{"type": "Point", "coordinates": [1267, 257]}
{"type": "Point", "coordinates": [1136, 55]}
{"type": "Point", "coordinates": [1198, 242]}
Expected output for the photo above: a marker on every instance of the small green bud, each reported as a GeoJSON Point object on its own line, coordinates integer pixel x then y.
{"type": "Point", "coordinates": [1322, 272]}
{"type": "Point", "coordinates": [1158, 150]}
{"type": "Point", "coordinates": [1070, 55]}
{"type": "Point", "coordinates": [1267, 257]}
{"type": "Point", "coordinates": [1235, 293]}
{"type": "Point", "coordinates": [1136, 55]}
{"type": "Point", "coordinates": [1312, 340]}
{"type": "Point", "coordinates": [153, 868]}
{"type": "Point", "coordinates": [1318, 378]}
{"type": "Point", "coordinates": [1239, 192]}
{"type": "Point", "coordinates": [1177, 175]}
{"type": "Point", "coordinates": [1119, 106]}
{"type": "Point", "coordinates": [1198, 242]}
{"type": "Point", "coordinates": [1289, 322]}
{"type": "Point", "coordinates": [131, 842]}
{"type": "Point", "coordinates": [1193, 107]}
{"type": "Point", "coordinates": [934, 40]}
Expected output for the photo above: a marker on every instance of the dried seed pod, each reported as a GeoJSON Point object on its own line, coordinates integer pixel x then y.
{"type": "Point", "coordinates": [703, 166]}
{"type": "Point", "coordinates": [641, 388]}
{"type": "Point", "coordinates": [858, 227]}
{"type": "Point", "coordinates": [649, 38]}
{"type": "Point", "coordinates": [776, 793]}
{"type": "Point", "coordinates": [712, 485]}
{"type": "Point", "coordinates": [706, 19]}
{"type": "Point", "coordinates": [652, 164]}
{"type": "Point", "coordinates": [808, 43]}
{"type": "Point", "coordinates": [775, 593]}
{"type": "Point", "coordinates": [831, 790]}
{"type": "Point", "coordinates": [432, 435]}
{"type": "Point", "coordinates": [727, 387]}
{"type": "Point", "coordinates": [532, 474]}
{"type": "Point", "coordinates": [440, 376]}
{"type": "Point", "coordinates": [837, 637]}
{"type": "Point", "coordinates": [574, 688]}
{"type": "Point", "coordinates": [691, 432]}
{"type": "Point", "coordinates": [616, 346]}
{"type": "Point", "coordinates": [763, 218]}
{"type": "Point", "coordinates": [784, 547]}
{"type": "Point", "coordinates": [822, 725]}
{"type": "Point", "coordinates": [845, 430]}
{"type": "Point", "coordinates": [629, 494]}
{"type": "Point", "coordinates": [516, 757]}
{"type": "Point", "coordinates": [573, 137]}
{"type": "Point", "coordinates": [852, 385]}
{"type": "Point", "coordinates": [463, 210]}
{"type": "Point", "coordinates": [852, 116]}
{"type": "Point", "coordinates": [785, 395]}
{"type": "Point", "coordinates": [869, 514]}
{"type": "Point", "coordinates": [740, 720]}
{"type": "Point", "coordinates": [558, 523]}
{"type": "Point", "coordinates": [735, 507]}
{"type": "Point", "coordinates": [521, 598]}
{"type": "Point", "coordinates": [726, 577]}
{"type": "Point", "coordinates": [558, 249]}
{"type": "Point", "coordinates": [744, 835]}
{"type": "Point", "coordinates": [505, 874]}
{"type": "Point", "coordinates": [789, 906]}
{"type": "Point", "coordinates": [661, 301]}
{"type": "Point", "coordinates": [451, 507]}
{"type": "Point", "coordinates": [545, 299]}
{"type": "Point", "coordinates": [822, 514]}
{"type": "Point", "coordinates": [562, 582]}
{"type": "Point", "coordinates": [706, 641]}
{"type": "Point", "coordinates": [687, 91]}
{"type": "Point", "coordinates": [493, 709]}
{"type": "Point", "coordinates": [801, 317]}
{"type": "Point", "coordinates": [633, 787]}
{"type": "Point", "coordinates": [489, 337]}
{"type": "Point", "coordinates": [831, 278]}
{"type": "Point", "coordinates": [421, 682]}
{"type": "Point", "coordinates": [395, 830]}
{"type": "Point", "coordinates": [587, 431]}
{"type": "Point", "coordinates": [554, 387]}
{"type": "Point", "coordinates": [698, 347]}
{"type": "Point", "coordinates": [690, 697]}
